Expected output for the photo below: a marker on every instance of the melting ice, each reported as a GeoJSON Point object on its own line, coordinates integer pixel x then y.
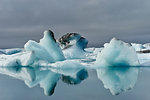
{"type": "Point", "coordinates": [68, 59]}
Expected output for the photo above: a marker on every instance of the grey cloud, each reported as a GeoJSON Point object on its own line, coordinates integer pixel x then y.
{"type": "Point", "coordinates": [98, 20]}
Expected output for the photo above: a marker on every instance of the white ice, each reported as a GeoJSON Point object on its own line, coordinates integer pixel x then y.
{"type": "Point", "coordinates": [48, 49]}
{"type": "Point", "coordinates": [116, 62]}
{"type": "Point", "coordinates": [50, 64]}
{"type": "Point", "coordinates": [74, 52]}
{"type": "Point", "coordinates": [11, 51]}
{"type": "Point", "coordinates": [139, 47]}
{"type": "Point", "coordinates": [143, 52]}
{"type": "Point", "coordinates": [17, 65]}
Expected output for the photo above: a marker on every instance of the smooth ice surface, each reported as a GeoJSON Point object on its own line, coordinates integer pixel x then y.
{"type": "Point", "coordinates": [52, 47]}
{"type": "Point", "coordinates": [45, 63]}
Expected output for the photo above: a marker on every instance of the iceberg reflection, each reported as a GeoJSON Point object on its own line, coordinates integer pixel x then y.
{"type": "Point", "coordinates": [47, 79]}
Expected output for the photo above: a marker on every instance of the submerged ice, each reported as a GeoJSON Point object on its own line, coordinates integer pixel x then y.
{"type": "Point", "coordinates": [68, 59]}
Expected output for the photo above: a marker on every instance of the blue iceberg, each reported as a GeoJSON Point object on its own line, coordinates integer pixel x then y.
{"type": "Point", "coordinates": [118, 61]}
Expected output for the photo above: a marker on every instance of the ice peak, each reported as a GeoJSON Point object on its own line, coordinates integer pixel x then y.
{"type": "Point", "coordinates": [50, 34]}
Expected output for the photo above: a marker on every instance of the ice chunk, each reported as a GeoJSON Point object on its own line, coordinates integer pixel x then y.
{"type": "Point", "coordinates": [116, 62]}
{"type": "Point", "coordinates": [52, 47]}
{"type": "Point", "coordinates": [19, 59]}
{"type": "Point", "coordinates": [117, 53]}
{"type": "Point", "coordinates": [143, 57]}
{"type": "Point", "coordinates": [11, 51]}
{"type": "Point", "coordinates": [147, 45]}
{"type": "Point", "coordinates": [40, 52]}
{"type": "Point", "coordinates": [73, 45]}
{"type": "Point", "coordinates": [141, 48]}
{"type": "Point", "coordinates": [47, 49]}
{"type": "Point", "coordinates": [71, 39]}
{"type": "Point", "coordinates": [143, 52]}
{"type": "Point", "coordinates": [137, 47]}
{"type": "Point", "coordinates": [17, 65]}
{"type": "Point", "coordinates": [74, 52]}
{"type": "Point", "coordinates": [91, 53]}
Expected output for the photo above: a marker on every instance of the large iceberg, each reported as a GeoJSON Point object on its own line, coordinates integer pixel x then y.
{"type": "Point", "coordinates": [68, 59]}
{"type": "Point", "coordinates": [50, 64]}
{"type": "Point", "coordinates": [117, 62]}
{"type": "Point", "coordinates": [48, 49]}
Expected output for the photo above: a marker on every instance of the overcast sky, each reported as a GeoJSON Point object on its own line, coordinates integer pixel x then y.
{"type": "Point", "coordinates": [97, 20]}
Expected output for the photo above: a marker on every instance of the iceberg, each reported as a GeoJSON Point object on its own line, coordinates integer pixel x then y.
{"type": "Point", "coordinates": [48, 49]}
{"type": "Point", "coordinates": [143, 52]}
{"type": "Point", "coordinates": [116, 62]}
{"type": "Point", "coordinates": [40, 52]}
{"type": "Point", "coordinates": [137, 47]}
{"type": "Point", "coordinates": [68, 59]}
{"type": "Point", "coordinates": [52, 47]}
{"type": "Point", "coordinates": [71, 39]}
{"type": "Point", "coordinates": [18, 59]}
{"type": "Point", "coordinates": [18, 65]}
{"type": "Point", "coordinates": [50, 64]}
{"type": "Point", "coordinates": [117, 53]}
{"type": "Point", "coordinates": [73, 45]}
{"type": "Point", "coordinates": [11, 51]}
{"type": "Point", "coordinates": [141, 47]}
